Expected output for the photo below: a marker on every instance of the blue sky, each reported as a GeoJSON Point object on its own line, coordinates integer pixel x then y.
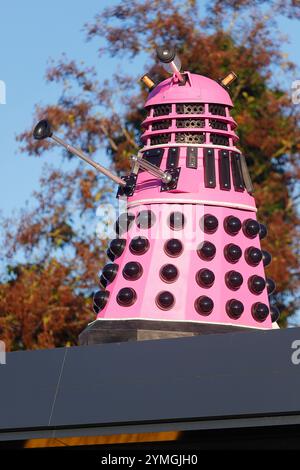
{"type": "Point", "coordinates": [30, 34]}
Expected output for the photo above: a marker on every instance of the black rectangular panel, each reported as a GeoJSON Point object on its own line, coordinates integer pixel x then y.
{"type": "Point", "coordinates": [224, 169]}
{"type": "Point", "coordinates": [209, 168]}
{"type": "Point", "coordinates": [192, 157]}
{"type": "Point", "coordinates": [236, 169]}
{"type": "Point", "coordinates": [153, 156]}
{"type": "Point", "coordinates": [173, 157]}
{"type": "Point", "coordinates": [246, 175]}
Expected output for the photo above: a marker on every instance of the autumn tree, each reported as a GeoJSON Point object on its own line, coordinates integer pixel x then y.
{"type": "Point", "coordinates": [51, 255]}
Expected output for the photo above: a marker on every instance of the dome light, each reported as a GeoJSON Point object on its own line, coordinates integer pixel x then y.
{"type": "Point", "coordinates": [229, 79]}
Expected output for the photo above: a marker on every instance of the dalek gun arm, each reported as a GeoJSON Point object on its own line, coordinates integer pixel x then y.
{"type": "Point", "coordinates": [43, 131]}
{"type": "Point", "coordinates": [139, 162]}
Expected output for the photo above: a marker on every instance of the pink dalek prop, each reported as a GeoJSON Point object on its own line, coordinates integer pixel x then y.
{"type": "Point", "coordinates": [187, 258]}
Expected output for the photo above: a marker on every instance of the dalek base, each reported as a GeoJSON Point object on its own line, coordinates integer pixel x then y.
{"type": "Point", "coordinates": [119, 331]}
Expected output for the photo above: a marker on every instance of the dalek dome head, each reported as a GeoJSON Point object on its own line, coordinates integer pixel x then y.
{"type": "Point", "coordinates": [194, 89]}
{"type": "Point", "coordinates": [187, 108]}
{"type": "Point", "coordinates": [192, 109]}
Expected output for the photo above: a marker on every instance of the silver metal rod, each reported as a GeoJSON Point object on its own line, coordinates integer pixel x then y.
{"type": "Point", "coordinates": [176, 71]}
{"type": "Point", "coordinates": [152, 169]}
{"type": "Point", "coordinates": [88, 160]}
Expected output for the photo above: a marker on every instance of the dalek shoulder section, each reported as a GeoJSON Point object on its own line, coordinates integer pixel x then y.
{"type": "Point", "coordinates": [200, 175]}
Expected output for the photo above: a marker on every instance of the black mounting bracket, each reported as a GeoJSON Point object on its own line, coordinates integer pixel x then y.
{"type": "Point", "coordinates": [174, 172]}
{"type": "Point", "coordinates": [129, 189]}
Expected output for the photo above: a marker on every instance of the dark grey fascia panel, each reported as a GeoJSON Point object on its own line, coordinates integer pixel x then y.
{"type": "Point", "coordinates": [28, 384]}
{"type": "Point", "coordinates": [202, 382]}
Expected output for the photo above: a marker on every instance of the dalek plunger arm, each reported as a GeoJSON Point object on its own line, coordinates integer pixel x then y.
{"type": "Point", "coordinates": [43, 130]}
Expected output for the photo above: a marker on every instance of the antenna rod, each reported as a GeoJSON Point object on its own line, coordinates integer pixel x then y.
{"type": "Point", "coordinates": [43, 130]}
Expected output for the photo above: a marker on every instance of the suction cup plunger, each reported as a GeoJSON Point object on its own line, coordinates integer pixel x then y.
{"type": "Point", "coordinates": [170, 61]}
{"type": "Point", "coordinates": [42, 130]}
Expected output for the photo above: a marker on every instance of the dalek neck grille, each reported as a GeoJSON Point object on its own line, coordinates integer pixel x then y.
{"type": "Point", "coordinates": [217, 109]}
{"type": "Point", "coordinates": [159, 125]}
{"type": "Point", "coordinates": [217, 124]}
{"type": "Point", "coordinates": [180, 116]}
{"type": "Point", "coordinates": [160, 139]}
{"type": "Point", "coordinates": [190, 137]}
{"type": "Point", "coordinates": [162, 109]}
{"type": "Point", "coordinates": [190, 108]}
{"type": "Point", "coordinates": [190, 123]}
{"type": "Point", "coordinates": [218, 139]}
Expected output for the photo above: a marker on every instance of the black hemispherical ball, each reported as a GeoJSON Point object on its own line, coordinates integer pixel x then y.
{"type": "Point", "coordinates": [110, 255]}
{"type": "Point", "coordinates": [271, 286]}
{"type": "Point", "coordinates": [204, 305]}
{"type": "Point", "coordinates": [232, 225]}
{"type": "Point", "coordinates": [96, 309]}
{"type": "Point", "coordinates": [232, 252]}
{"type": "Point", "coordinates": [253, 256]}
{"type": "Point", "coordinates": [251, 228]}
{"type": "Point", "coordinates": [132, 270]}
{"type": "Point", "coordinates": [103, 282]}
{"type": "Point", "coordinates": [117, 246]}
{"type": "Point", "coordinates": [267, 258]}
{"type": "Point", "coordinates": [176, 220]}
{"type": "Point", "coordinates": [110, 271]}
{"type": "Point", "coordinates": [263, 232]}
{"type": "Point", "coordinates": [139, 245]}
{"type": "Point", "coordinates": [234, 308]}
{"type": "Point", "coordinates": [126, 296]}
{"type": "Point", "coordinates": [259, 311]}
{"type": "Point", "coordinates": [173, 247]}
{"type": "Point", "coordinates": [124, 222]}
{"type": "Point", "coordinates": [275, 313]}
{"type": "Point", "coordinates": [206, 251]}
{"type": "Point", "coordinates": [100, 299]}
{"type": "Point", "coordinates": [205, 277]}
{"type": "Point", "coordinates": [145, 219]}
{"type": "Point", "coordinates": [233, 280]}
{"type": "Point", "coordinates": [210, 223]}
{"type": "Point", "coordinates": [169, 273]}
{"type": "Point", "coordinates": [165, 300]}
{"type": "Point", "coordinates": [256, 284]}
